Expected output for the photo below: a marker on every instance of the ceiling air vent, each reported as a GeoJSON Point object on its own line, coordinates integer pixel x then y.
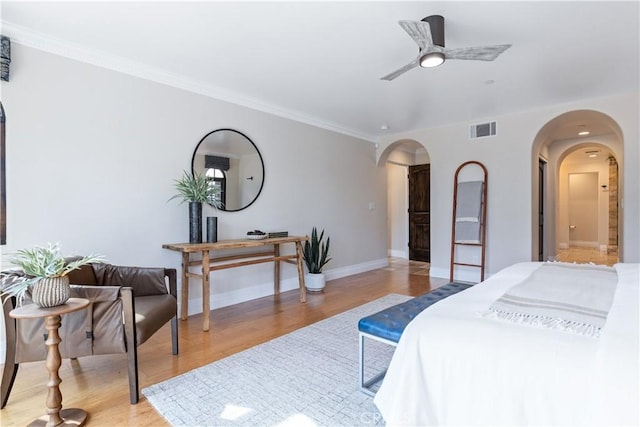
{"type": "Point", "coordinates": [482, 129]}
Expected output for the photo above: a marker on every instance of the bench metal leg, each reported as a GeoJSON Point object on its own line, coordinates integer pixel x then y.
{"type": "Point", "coordinates": [366, 385]}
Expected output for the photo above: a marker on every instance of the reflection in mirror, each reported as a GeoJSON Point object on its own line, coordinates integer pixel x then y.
{"type": "Point", "coordinates": [232, 162]}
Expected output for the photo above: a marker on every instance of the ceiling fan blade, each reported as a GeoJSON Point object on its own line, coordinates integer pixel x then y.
{"type": "Point", "coordinates": [481, 53]}
{"type": "Point", "coordinates": [419, 31]}
{"type": "Point", "coordinates": [396, 73]}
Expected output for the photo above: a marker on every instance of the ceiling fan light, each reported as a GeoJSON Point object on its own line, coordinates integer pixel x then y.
{"type": "Point", "coordinates": [431, 59]}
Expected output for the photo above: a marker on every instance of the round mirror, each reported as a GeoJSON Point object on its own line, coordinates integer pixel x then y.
{"type": "Point", "coordinates": [232, 162]}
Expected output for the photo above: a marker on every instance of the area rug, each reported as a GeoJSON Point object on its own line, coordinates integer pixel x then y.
{"type": "Point", "coordinates": [306, 378]}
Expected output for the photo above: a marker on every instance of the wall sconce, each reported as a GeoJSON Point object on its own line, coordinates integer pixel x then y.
{"type": "Point", "coordinates": [5, 57]}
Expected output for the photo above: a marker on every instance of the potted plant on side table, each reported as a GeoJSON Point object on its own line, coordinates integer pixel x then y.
{"type": "Point", "coordinates": [316, 255]}
{"type": "Point", "coordinates": [45, 275]}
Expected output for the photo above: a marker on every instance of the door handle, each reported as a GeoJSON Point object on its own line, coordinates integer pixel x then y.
{"type": "Point", "coordinates": [572, 227]}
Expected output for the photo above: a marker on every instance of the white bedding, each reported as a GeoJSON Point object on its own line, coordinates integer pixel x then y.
{"type": "Point", "coordinates": [454, 367]}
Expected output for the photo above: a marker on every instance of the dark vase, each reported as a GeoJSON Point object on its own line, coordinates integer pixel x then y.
{"type": "Point", "coordinates": [195, 222]}
{"type": "Point", "coordinates": [212, 229]}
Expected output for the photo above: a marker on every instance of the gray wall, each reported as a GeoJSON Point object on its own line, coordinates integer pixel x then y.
{"type": "Point", "coordinates": [92, 155]}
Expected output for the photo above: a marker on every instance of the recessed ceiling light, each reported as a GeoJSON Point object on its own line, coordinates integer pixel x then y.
{"type": "Point", "coordinates": [593, 155]}
{"type": "Point", "coordinates": [384, 127]}
{"type": "Point", "coordinates": [582, 131]}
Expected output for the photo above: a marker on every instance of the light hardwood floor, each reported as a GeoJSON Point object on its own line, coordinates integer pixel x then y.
{"type": "Point", "coordinates": [586, 255]}
{"type": "Point", "coordinates": [99, 384]}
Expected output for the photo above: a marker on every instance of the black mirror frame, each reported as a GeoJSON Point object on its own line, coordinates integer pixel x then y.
{"type": "Point", "coordinates": [193, 158]}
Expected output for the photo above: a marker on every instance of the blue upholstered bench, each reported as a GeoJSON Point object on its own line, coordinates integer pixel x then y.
{"type": "Point", "coordinates": [387, 325]}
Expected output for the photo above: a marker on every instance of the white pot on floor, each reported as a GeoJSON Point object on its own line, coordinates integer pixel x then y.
{"type": "Point", "coordinates": [314, 282]}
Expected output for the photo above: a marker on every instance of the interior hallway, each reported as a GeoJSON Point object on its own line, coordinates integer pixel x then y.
{"type": "Point", "coordinates": [585, 255]}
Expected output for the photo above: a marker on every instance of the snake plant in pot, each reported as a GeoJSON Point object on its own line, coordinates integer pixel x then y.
{"type": "Point", "coordinates": [316, 255]}
{"type": "Point", "coordinates": [44, 275]}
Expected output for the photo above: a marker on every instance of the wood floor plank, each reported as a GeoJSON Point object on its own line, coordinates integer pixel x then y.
{"type": "Point", "coordinates": [99, 384]}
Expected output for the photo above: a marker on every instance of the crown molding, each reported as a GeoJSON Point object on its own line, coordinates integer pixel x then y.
{"type": "Point", "coordinates": [28, 37]}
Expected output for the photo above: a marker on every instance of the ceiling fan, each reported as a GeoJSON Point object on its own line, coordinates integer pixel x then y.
{"type": "Point", "coordinates": [429, 35]}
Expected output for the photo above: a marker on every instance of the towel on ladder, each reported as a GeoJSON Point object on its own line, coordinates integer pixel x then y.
{"type": "Point", "coordinates": [467, 232]}
{"type": "Point", "coordinates": [468, 211]}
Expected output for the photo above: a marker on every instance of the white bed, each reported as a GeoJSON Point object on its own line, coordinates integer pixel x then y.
{"type": "Point", "coordinates": [453, 366]}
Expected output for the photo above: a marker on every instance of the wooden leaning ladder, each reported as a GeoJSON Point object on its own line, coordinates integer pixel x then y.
{"type": "Point", "coordinates": [482, 221]}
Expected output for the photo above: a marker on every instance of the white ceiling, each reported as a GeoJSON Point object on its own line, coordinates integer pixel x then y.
{"type": "Point", "coordinates": [321, 62]}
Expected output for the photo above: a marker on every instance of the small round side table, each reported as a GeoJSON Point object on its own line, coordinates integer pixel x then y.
{"type": "Point", "coordinates": [56, 416]}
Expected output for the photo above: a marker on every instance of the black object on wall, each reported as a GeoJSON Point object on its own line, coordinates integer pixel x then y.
{"type": "Point", "coordinates": [216, 162]}
{"type": "Point", "coordinates": [5, 57]}
{"type": "Point", "coordinates": [3, 186]}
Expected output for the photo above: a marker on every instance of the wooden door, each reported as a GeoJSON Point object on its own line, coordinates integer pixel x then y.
{"type": "Point", "coordinates": [542, 167]}
{"type": "Point", "coordinates": [419, 213]}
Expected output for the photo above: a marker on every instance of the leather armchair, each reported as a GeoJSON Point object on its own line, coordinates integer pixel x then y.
{"type": "Point", "coordinates": [128, 305]}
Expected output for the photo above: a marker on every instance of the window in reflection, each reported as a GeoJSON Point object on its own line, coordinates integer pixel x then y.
{"type": "Point", "coordinates": [217, 180]}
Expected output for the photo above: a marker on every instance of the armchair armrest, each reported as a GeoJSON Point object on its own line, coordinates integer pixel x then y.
{"type": "Point", "coordinates": [172, 275]}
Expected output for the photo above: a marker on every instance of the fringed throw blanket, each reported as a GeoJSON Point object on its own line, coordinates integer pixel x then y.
{"type": "Point", "coordinates": [569, 297]}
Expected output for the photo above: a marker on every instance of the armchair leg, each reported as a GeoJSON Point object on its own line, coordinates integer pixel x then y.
{"type": "Point", "coordinates": [8, 376]}
{"type": "Point", "coordinates": [132, 343]}
{"type": "Point", "coordinates": [132, 365]}
{"type": "Point", "coordinates": [174, 335]}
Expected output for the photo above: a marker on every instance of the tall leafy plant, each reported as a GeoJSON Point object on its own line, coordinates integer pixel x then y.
{"type": "Point", "coordinates": [192, 188]}
{"type": "Point", "coordinates": [196, 188]}
{"type": "Point", "coordinates": [316, 252]}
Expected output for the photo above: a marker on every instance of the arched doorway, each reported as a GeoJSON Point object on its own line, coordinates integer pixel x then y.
{"type": "Point", "coordinates": [408, 182]}
{"type": "Point", "coordinates": [559, 152]}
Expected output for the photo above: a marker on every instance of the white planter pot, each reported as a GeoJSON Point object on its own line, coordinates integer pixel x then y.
{"type": "Point", "coordinates": [314, 282]}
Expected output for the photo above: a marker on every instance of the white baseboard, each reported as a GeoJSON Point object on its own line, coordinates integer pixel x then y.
{"type": "Point", "coordinates": [356, 269]}
{"type": "Point", "coordinates": [440, 273]}
{"type": "Point", "coordinates": [395, 253]}
{"type": "Point", "coordinates": [563, 245]}
{"type": "Point", "coordinates": [462, 274]}
{"type": "Point", "coordinates": [225, 299]}
{"type": "Point", "coordinates": [583, 244]}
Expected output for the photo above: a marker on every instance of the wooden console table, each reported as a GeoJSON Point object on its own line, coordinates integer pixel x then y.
{"type": "Point", "coordinates": [207, 263]}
